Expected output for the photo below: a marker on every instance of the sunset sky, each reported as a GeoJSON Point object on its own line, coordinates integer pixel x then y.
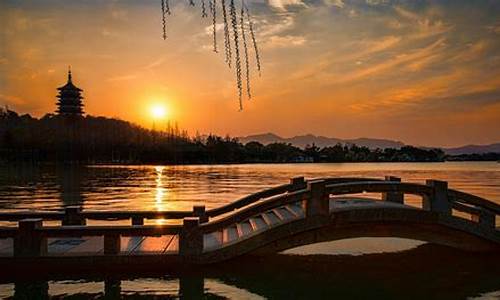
{"type": "Point", "coordinates": [422, 72]}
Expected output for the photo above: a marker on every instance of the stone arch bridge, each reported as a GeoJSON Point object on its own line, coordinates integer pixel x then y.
{"type": "Point", "coordinates": [290, 215]}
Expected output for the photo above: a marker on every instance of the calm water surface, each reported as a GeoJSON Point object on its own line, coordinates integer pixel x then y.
{"type": "Point", "coordinates": [180, 187]}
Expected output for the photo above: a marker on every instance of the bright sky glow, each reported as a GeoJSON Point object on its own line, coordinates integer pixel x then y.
{"type": "Point", "coordinates": [421, 72]}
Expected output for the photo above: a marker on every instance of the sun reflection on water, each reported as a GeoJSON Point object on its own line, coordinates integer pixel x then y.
{"type": "Point", "coordinates": [160, 193]}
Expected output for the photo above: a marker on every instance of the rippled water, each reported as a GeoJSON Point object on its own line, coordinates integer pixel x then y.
{"type": "Point", "coordinates": [389, 276]}
{"type": "Point", "coordinates": [179, 187]}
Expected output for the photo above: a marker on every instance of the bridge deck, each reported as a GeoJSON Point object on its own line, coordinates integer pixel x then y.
{"type": "Point", "coordinates": [169, 244]}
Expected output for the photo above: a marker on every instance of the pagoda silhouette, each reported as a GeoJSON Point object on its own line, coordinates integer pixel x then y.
{"type": "Point", "coordinates": [69, 99]}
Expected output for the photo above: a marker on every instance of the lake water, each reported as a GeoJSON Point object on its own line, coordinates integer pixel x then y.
{"type": "Point", "coordinates": [180, 187]}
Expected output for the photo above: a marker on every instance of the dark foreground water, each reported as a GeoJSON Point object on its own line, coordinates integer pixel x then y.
{"type": "Point", "coordinates": [358, 268]}
{"type": "Point", "coordinates": [427, 272]}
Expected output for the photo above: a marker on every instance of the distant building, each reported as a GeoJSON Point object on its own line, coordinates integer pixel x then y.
{"type": "Point", "coordinates": [69, 101]}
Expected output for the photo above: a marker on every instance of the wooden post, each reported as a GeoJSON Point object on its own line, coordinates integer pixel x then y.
{"type": "Point", "coordinates": [112, 244]}
{"type": "Point", "coordinates": [437, 201]}
{"type": "Point", "coordinates": [199, 211]}
{"type": "Point", "coordinates": [317, 203]}
{"type": "Point", "coordinates": [396, 197]}
{"type": "Point", "coordinates": [486, 218]}
{"type": "Point", "coordinates": [137, 221]}
{"type": "Point", "coordinates": [297, 183]}
{"type": "Point", "coordinates": [72, 216]}
{"type": "Point", "coordinates": [191, 238]}
{"type": "Point", "coordinates": [29, 242]}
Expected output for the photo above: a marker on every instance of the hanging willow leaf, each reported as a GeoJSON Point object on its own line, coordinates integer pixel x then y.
{"type": "Point", "coordinates": [254, 41]}
{"type": "Point", "coordinates": [213, 10]}
{"type": "Point", "coordinates": [236, 31]}
{"type": "Point", "coordinates": [163, 18]}
{"type": "Point", "coordinates": [167, 6]}
{"type": "Point", "coordinates": [243, 35]}
{"type": "Point", "coordinates": [234, 22]}
{"type": "Point", "coordinates": [203, 9]}
{"type": "Point", "coordinates": [227, 38]}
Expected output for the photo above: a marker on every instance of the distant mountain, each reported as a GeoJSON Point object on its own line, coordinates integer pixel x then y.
{"type": "Point", "coordinates": [320, 141]}
{"type": "Point", "coordinates": [474, 149]}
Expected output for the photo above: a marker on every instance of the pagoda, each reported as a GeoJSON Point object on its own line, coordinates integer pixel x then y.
{"type": "Point", "coordinates": [69, 99]}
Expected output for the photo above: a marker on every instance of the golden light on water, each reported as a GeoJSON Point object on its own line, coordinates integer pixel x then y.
{"type": "Point", "coordinates": [159, 193]}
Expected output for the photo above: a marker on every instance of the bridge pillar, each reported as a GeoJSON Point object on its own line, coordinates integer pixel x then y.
{"type": "Point", "coordinates": [191, 237]}
{"type": "Point", "coordinates": [396, 197]}
{"type": "Point", "coordinates": [297, 183]}
{"type": "Point", "coordinates": [72, 216]}
{"type": "Point", "coordinates": [200, 212]}
{"type": "Point", "coordinates": [485, 218]}
{"type": "Point", "coordinates": [437, 201]}
{"type": "Point", "coordinates": [112, 244]}
{"type": "Point", "coordinates": [317, 203]}
{"type": "Point", "coordinates": [29, 242]}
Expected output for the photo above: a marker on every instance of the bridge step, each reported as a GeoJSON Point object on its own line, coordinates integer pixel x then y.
{"type": "Point", "coordinates": [294, 213]}
{"type": "Point", "coordinates": [246, 228]}
{"type": "Point", "coordinates": [258, 223]}
{"type": "Point", "coordinates": [253, 225]}
{"type": "Point", "coordinates": [277, 212]}
{"type": "Point", "coordinates": [286, 213]}
{"type": "Point", "coordinates": [230, 234]}
{"type": "Point", "coordinates": [273, 219]}
{"type": "Point", "coordinates": [212, 240]}
{"type": "Point", "coordinates": [297, 207]}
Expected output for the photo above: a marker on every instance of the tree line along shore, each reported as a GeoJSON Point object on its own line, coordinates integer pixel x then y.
{"type": "Point", "coordinates": [92, 139]}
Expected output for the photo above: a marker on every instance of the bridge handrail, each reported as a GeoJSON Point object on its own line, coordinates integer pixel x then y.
{"type": "Point", "coordinates": [458, 196]}
{"type": "Point", "coordinates": [250, 199]}
{"type": "Point", "coordinates": [254, 209]}
{"type": "Point", "coordinates": [258, 196]}
{"type": "Point", "coordinates": [378, 187]}
{"type": "Point", "coordinates": [84, 230]}
{"type": "Point", "coordinates": [19, 215]}
{"type": "Point", "coordinates": [122, 230]}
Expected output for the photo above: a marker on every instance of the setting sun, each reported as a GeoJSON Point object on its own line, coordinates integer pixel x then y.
{"type": "Point", "coordinates": [159, 111]}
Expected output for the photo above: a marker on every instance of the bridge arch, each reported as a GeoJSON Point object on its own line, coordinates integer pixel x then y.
{"type": "Point", "coordinates": [328, 218]}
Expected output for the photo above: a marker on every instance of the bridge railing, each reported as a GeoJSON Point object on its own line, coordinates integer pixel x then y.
{"type": "Point", "coordinates": [74, 215]}
{"type": "Point", "coordinates": [31, 236]}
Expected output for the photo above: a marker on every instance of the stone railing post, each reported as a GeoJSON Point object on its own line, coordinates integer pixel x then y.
{"type": "Point", "coordinates": [485, 218]}
{"type": "Point", "coordinates": [72, 216]}
{"type": "Point", "coordinates": [112, 244]}
{"type": "Point", "coordinates": [437, 201]}
{"type": "Point", "coordinates": [297, 183]}
{"type": "Point", "coordinates": [29, 242]}
{"type": "Point", "coordinates": [317, 203]}
{"type": "Point", "coordinates": [200, 212]}
{"type": "Point", "coordinates": [396, 197]}
{"type": "Point", "coordinates": [191, 238]}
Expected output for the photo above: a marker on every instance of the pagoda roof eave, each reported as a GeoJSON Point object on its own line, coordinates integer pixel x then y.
{"type": "Point", "coordinates": [69, 86]}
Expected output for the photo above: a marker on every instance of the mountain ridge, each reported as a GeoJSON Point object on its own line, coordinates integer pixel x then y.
{"type": "Point", "coordinates": [322, 141]}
